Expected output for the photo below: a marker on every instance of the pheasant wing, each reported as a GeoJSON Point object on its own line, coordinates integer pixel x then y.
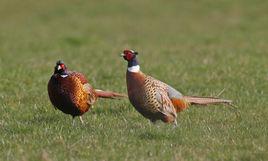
{"type": "Point", "coordinates": [91, 92]}
{"type": "Point", "coordinates": [166, 107]}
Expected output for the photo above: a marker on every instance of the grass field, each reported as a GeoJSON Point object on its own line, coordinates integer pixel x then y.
{"type": "Point", "coordinates": [198, 47]}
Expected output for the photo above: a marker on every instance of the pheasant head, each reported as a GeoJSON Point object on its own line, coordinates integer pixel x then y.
{"type": "Point", "coordinates": [131, 57]}
{"type": "Point", "coordinates": [60, 69]}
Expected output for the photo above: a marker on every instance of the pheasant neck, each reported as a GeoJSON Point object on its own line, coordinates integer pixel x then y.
{"type": "Point", "coordinates": [64, 74]}
{"type": "Point", "coordinates": [133, 66]}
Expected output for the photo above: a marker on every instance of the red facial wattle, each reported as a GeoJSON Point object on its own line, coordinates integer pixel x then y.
{"type": "Point", "coordinates": [62, 66]}
{"type": "Point", "coordinates": [129, 56]}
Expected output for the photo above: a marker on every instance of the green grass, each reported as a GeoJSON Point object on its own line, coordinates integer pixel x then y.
{"type": "Point", "coordinates": [198, 47]}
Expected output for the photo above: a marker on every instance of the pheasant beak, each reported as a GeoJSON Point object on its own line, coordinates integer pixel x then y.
{"type": "Point", "coordinates": [59, 67]}
{"type": "Point", "coordinates": [122, 54]}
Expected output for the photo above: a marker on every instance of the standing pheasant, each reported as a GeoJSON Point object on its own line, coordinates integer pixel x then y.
{"type": "Point", "coordinates": [154, 99]}
{"type": "Point", "coordinates": [71, 93]}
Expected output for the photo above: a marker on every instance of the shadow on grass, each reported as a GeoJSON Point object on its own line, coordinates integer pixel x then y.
{"type": "Point", "coordinates": [43, 119]}
{"type": "Point", "coordinates": [148, 135]}
{"type": "Point", "coordinates": [114, 110]}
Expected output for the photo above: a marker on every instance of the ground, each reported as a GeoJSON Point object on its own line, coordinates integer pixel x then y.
{"type": "Point", "coordinates": [200, 48]}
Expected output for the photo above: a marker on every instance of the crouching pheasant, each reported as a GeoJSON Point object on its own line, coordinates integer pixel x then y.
{"type": "Point", "coordinates": [71, 93]}
{"type": "Point", "coordinates": [154, 99]}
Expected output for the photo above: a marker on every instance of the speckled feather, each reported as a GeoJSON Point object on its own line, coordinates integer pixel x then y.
{"type": "Point", "coordinates": [151, 97]}
{"type": "Point", "coordinates": [157, 96]}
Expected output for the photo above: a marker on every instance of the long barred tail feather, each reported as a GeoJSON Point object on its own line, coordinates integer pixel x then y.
{"type": "Point", "coordinates": [194, 100]}
{"type": "Point", "coordinates": [206, 100]}
{"type": "Point", "coordinates": [109, 94]}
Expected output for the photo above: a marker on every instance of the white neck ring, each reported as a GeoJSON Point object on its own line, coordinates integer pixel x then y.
{"type": "Point", "coordinates": [134, 69]}
{"type": "Point", "coordinates": [64, 76]}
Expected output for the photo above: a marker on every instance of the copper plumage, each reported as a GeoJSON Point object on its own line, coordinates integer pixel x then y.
{"type": "Point", "coordinates": [154, 99]}
{"type": "Point", "coordinates": [71, 93]}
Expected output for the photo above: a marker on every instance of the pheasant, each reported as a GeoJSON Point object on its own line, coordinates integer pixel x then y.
{"type": "Point", "coordinates": [154, 99]}
{"type": "Point", "coordinates": [71, 93]}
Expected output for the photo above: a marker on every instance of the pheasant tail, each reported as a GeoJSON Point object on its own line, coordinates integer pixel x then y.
{"type": "Point", "coordinates": [109, 94]}
{"type": "Point", "coordinates": [206, 100]}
